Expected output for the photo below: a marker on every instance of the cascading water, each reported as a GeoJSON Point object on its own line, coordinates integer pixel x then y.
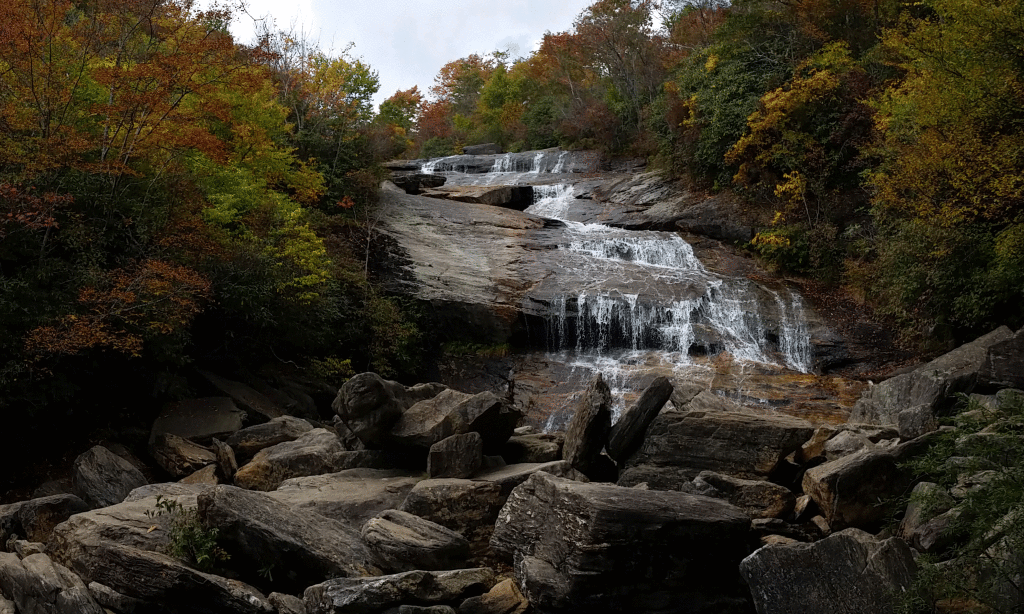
{"type": "Point", "coordinates": [692, 313]}
{"type": "Point", "coordinates": [632, 305]}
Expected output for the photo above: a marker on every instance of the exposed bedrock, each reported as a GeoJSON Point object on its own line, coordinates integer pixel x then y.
{"type": "Point", "coordinates": [497, 275]}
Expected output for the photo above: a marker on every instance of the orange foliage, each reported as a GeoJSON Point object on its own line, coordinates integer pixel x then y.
{"type": "Point", "coordinates": [127, 307]}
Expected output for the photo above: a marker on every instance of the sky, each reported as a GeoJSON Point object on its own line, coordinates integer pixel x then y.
{"type": "Point", "coordinates": [408, 41]}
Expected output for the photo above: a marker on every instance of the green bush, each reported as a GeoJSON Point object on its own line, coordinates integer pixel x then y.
{"type": "Point", "coordinates": [980, 461]}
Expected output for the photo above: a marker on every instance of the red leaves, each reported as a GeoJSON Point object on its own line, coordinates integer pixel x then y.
{"type": "Point", "coordinates": [21, 207]}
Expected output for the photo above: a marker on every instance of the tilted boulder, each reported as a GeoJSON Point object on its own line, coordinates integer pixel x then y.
{"type": "Point", "coordinates": [850, 572]}
{"type": "Point", "coordinates": [404, 542]}
{"type": "Point", "coordinates": [627, 434]}
{"type": "Point", "coordinates": [597, 547]}
{"type": "Point", "coordinates": [37, 585]}
{"type": "Point", "coordinates": [374, 595]}
{"type": "Point", "coordinates": [318, 451]}
{"type": "Point", "coordinates": [102, 478]}
{"type": "Point", "coordinates": [588, 428]}
{"type": "Point", "coordinates": [910, 401]}
{"type": "Point", "coordinates": [250, 440]}
{"type": "Point", "coordinates": [299, 547]}
{"type": "Point", "coordinates": [533, 448]}
{"type": "Point", "coordinates": [245, 396]}
{"type": "Point", "coordinates": [370, 405]}
{"type": "Point", "coordinates": [455, 413]}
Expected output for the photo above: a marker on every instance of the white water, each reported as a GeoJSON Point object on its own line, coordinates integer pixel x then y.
{"type": "Point", "coordinates": [615, 332]}
{"type": "Point", "coordinates": [640, 302]}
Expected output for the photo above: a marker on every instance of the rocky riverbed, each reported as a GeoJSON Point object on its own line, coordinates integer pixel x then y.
{"type": "Point", "coordinates": [427, 499]}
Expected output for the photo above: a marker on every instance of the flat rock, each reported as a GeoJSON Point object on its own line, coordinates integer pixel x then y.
{"type": "Point", "coordinates": [533, 448]}
{"type": "Point", "coordinates": [250, 440]}
{"type": "Point", "coordinates": [374, 595]}
{"type": "Point", "coordinates": [850, 572]}
{"type": "Point", "coordinates": [404, 542]}
{"type": "Point", "coordinates": [199, 419]}
{"type": "Point", "coordinates": [739, 444]}
{"type": "Point", "coordinates": [580, 547]}
{"type": "Point", "coordinates": [102, 478]}
{"type": "Point", "coordinates": [352, 496]}
{"type": "Point", "coordinates": [317, 452]}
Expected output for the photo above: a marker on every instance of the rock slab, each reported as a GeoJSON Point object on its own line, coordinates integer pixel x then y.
{"type": "Point", "coordinates": [597, 547]}
{"type": "Point", "coordinates": [850, 572]}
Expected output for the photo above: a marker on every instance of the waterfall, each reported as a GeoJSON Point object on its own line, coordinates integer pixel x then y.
{"type": "Point", "coordinates": [726, 316]}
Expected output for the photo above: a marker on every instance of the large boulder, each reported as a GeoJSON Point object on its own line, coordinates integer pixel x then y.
{"type": "Point", "coordinates": [318, 451]}
{"type": "Point", "coordinates": [588, 429]}
{"type": "Point", "coordinates": [298, 547]}
{"type": "Point", "coordinates": [458, 456]}
{"type": "Point", "coordinates": [911, 401]}
{"type": "Point", "coordinates": [102, 478]}
{"type": "Point", "coordinates": [404, 542]}
{"type": "Point", "coordinates": [503, 598]}
{"type": "Point", "coordinates": [758, 498]}
{"type": "Point", "coordinates": [533, 448]}
{"type": "Point", "coordinates": [850, 572]}
{"type": "Point", "coordinates": [850, 490]}
{"type": "Point", "coordinates": [517, 197]}
{"type": "Point", "coordinates": [374, 595]}
{"type": "Point", "coordinates": [468, 507]}
{"type": "Point", "coordinates": [454, 413]}
{"type": "Point", "coordinates": [743, 445]}
{"type": "Point", "coordinates": [370, 405]}
{"type": "Point", "coordinates": [1004, 364]}
{"type": "Point", "coordinates": [39, 586]}
{"type": "Point", "coordinates": [35, 519]}
{"type": "Point", "coordinates": [580, 547]}
{"type": "Point", "coordinates": [352, 496]}
{"type": "Point", "coordinates": [250, 440]}
{"type": "Point", "coordinates": [627, 435]}
{"type": "Point", "coordinates": [121, 548]}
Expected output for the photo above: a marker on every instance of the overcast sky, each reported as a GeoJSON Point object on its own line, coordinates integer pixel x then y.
{"type": "Point", "coordinates": [408, 41]}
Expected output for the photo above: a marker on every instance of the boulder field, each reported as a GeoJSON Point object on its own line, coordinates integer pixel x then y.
{"type": "Point", "coordinates": [426, 499]}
